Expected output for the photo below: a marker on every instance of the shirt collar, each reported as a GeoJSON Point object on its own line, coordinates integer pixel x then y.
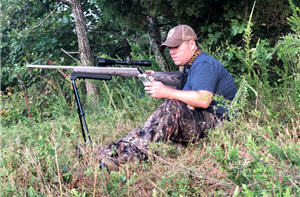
{"type": "Point", "coordinates": [189, 64]}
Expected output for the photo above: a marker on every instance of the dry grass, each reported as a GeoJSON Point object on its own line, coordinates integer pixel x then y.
{"type": "Point", "coordinates": [256, 154]}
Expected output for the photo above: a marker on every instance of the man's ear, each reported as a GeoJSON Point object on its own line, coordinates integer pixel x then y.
{"type": "Point", "coordinates": [193, 44]}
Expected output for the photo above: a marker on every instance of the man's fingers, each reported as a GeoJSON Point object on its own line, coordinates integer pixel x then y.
{"type": "Point", "coordinates": [152, 79]}
{"type": "Point", "coordinates": [148, 85]}
{"type": "Point", "coordinates": [149, 71]}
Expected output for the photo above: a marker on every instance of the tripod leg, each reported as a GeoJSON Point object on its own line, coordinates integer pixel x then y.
{"type": "Point", "coordinates": [84, 128]}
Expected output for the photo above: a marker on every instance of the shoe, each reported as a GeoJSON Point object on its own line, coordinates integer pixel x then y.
{"type": "Point", "coordinates": [104, 155]}
{"type": "Point", "coordinates": [109, 164]}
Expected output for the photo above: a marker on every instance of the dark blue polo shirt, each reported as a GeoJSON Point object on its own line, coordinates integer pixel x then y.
{"type": "Point", "coordinates": [207, 73]}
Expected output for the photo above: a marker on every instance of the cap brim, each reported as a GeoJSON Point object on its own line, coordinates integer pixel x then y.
{"type": "Point", "coordinates": [172, 43]}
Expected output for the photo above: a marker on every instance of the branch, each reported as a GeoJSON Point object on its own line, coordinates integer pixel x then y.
{"type": "Point", "coordinates": [69, 54]}
{"type": "Point", "coordinates": [66, 1]}
{"type": "Point", "coordinates": [45, 18]}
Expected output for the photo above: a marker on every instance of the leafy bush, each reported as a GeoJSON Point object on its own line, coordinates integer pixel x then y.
{"type": "Point", "coordinates": [288, 49]}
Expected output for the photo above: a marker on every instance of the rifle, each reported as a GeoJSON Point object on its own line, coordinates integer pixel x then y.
{"type": "Point", "coordinates": [102, 72]}
{"type": "Point", "coordinates": [172, 79]}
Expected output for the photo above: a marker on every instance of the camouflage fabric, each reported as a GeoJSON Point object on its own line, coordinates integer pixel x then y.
{"type": "Point", "coordinates": [172, 121]}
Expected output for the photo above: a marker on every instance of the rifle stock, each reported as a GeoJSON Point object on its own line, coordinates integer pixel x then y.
{"type": "Point", "coordinates": [172, 79]}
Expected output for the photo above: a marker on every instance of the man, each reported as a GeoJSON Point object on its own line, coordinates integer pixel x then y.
{"type": "Point", "coordinates": [188, 112]}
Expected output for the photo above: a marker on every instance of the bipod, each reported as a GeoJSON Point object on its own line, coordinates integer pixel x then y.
{"type": "Point", "coordinates": [80, 75]}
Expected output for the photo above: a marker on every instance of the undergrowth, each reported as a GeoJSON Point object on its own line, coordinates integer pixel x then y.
{"type": "Point", "coordinates": [256, 154]}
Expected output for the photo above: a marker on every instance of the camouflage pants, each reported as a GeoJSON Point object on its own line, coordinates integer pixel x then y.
{"type": "Point", "coordinates": [172, 121]}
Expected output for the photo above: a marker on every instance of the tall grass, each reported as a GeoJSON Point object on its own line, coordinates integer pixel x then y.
{"type": "Point", "coordinates": [257, 154]}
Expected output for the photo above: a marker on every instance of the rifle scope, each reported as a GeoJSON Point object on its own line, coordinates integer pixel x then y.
{"type": "Point", "coordinates": [105, 62]}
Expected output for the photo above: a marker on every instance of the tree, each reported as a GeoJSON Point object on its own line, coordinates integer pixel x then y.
{"type": "Point", "coordinates": [83, 41]}
{"type": "Point", "coordinates": [155, 39]}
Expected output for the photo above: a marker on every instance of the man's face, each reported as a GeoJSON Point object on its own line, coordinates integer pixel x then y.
{"type": "Point", "coordinates": [182, 54]}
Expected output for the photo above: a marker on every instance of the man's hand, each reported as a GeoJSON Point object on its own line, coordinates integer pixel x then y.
{"type": "Point", "coordinates": [157, 89]}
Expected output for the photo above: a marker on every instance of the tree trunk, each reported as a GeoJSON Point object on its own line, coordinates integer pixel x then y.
{"type": "Point", "coordinates": [155, 40]}
{"type": "Point", "coordinates": [83, 41]}
{"type": "Point", "coordinates": [246, 10]}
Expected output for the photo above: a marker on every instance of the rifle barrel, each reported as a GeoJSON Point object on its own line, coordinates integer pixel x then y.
{"type": "Point", "coordinates": [122, 71]}
{"type": "Point", "coordinates": [53, 67]}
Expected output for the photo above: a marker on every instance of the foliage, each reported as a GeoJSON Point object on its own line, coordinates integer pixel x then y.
{"type": "Point", "coordinates": [288, 49]}
{"type": "Point", "coordinates": [26, 39]}
{"type": "Point", "coordinates": [35, 32]}
{"type": "Point", "coordinates": [294, 20]}
{"type": "Point", "coordinates": [255, 154]}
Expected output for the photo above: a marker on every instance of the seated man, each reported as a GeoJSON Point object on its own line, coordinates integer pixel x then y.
{"type": "Point", "coordinates": [187, 113]}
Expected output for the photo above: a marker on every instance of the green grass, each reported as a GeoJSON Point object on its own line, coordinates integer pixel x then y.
{"type": "Point", "coordinates": [256, 154]}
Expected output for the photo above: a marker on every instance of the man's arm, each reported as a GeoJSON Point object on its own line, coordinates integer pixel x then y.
{"type": "Point", "coordinates": [201, 99]}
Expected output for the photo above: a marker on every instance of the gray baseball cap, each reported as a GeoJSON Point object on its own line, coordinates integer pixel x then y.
{"type": "Point", "coordinates": [178, 35]}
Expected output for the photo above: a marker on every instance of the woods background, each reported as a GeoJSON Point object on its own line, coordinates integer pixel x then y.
{"type": "Point", "coordinates": [255, 154]}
